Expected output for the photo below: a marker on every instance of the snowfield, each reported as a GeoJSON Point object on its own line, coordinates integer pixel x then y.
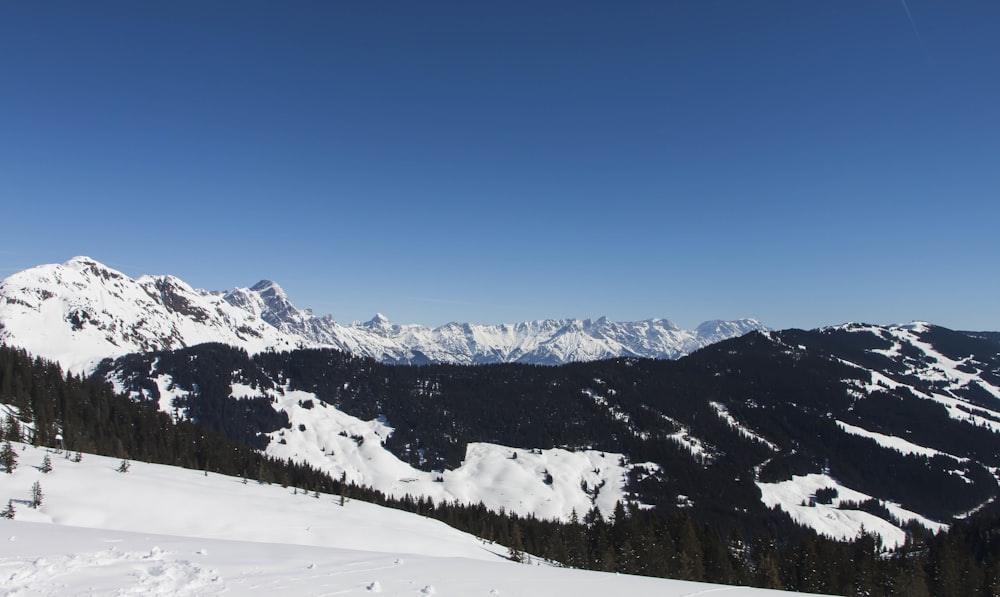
{"type": "Point", "coordinates": [160, 530]}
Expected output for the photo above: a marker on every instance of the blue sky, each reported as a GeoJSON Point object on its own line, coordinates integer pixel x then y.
{"type": "Point", "coordinates": [806, 163]}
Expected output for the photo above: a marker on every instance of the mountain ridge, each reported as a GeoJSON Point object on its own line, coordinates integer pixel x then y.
{"type": "Point", "coordinates": [82, 311]}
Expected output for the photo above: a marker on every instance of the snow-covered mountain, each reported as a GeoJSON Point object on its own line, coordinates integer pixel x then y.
{"type": "Point", "coordinates": [160, 530]}
{"type": "Point", "coordinates": [82, 311]}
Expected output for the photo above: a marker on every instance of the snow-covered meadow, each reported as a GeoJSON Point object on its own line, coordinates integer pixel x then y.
{"type": "Point", "coordinates": [159, 530]}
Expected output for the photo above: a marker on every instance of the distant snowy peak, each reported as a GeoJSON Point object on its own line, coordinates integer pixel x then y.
{"type": "Point", "coordinates": [82, 311]}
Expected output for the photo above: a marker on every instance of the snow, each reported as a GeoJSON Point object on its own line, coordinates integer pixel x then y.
{"type": "Point", "coordinates": [549, 484]}
{"type": "Point", "coordinates": [933, 367]}
{"type": "Point", "coordinates": [944, 369]}
{"type": "Point", "coordinates": [895, 443]}
{"type": "Point", "coordinates": [159, 530]}
{"type": "Point", "coordinates": [830, 519]}
{"type": "Point", "coordinates": [614, 410]}
{"type": "Point", "coordinates": [82, 311]}
{"type": "Point", "coordinates": [730, 420]}
{"type": "Point", "coordinates": [683, 438]}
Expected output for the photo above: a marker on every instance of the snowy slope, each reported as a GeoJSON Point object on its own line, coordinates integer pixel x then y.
{"type": "Point", "coordinates": [840, 519]}
{"type": "Point", "coordinates": [82, 311]}
{"type": "Point", "coordinates": [158, 530]}
{"type": "Point", "coordinates": [548, 484]}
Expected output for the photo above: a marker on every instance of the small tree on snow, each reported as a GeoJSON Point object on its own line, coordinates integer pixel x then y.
{"type": "Point", "coordinates": [124, 466]}
{"type": "Point", "coordinates": [36, 495]}
{"type": "Point", "coordinates": [8, 512]}
{"type": "Point", "coordinates": [47, 464]}
{"type": "Point", "coordinates": [8, 457]}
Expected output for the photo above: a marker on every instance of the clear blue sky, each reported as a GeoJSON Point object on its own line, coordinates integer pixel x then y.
{"type": "Point", "coordinates": [803, 162]}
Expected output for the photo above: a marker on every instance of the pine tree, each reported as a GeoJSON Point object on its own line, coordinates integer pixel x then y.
{"type": "Point", "coordinates": [124, 466]}
{"type": "Point", "coordinates": [8, 512]}
{"type": "Point", "coordinates": [12, 429]}
{"type": "Point", "coordinates": [46, 464]}
{"type": "Point", "coordinates": [8, 457]}
{"type": "Point", "coordinates": [36, 495]}
{"type": "Point", "coordinates": [516, 551]}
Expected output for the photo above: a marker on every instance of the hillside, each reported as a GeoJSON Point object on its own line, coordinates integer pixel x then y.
{"type": "Point", "coordinates": [897, 424]}
{"type": "Point", "coordinates": [160, 530]}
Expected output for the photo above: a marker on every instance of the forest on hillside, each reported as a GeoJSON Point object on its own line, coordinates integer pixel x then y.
{"type": "Point", "coordinates": [90, 417]}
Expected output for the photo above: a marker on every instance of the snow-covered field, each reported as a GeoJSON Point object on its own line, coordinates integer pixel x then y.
{"type": "Point", "coordinates": [159, 530]}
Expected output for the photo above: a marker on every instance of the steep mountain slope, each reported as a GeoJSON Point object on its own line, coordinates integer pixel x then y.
{"type": "Point", "coordinates": [82, 311]}
{"type": "Point", "coordinates": [854, 427]}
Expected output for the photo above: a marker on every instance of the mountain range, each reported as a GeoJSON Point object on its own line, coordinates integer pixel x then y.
{"type": "Point", "coordinates": [849, 431]}
{"type": "Point", "coordinates": [82, 311]}
{"type": "Point", "coordinates": [843, 408]}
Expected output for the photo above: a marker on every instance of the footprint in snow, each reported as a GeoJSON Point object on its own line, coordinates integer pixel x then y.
{"type": "Point", "coordinates": [428, 590]}
{"type": "Point", "coordinates": [374, 587]}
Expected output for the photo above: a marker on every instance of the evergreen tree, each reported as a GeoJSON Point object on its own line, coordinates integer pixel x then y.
{"type": "Point", "coordinates": [516, 551]}
{"type": "Point", "coordinates": [12, 429]}
{"type": "Point", "coordinates": [8, 457]}
{"type": "Point", "coordinates": [46, 464]}
{"type": "Point", "coordinates": [124, 466]}
{"type": "Point", "coordinates": [8, 512]}
{"type": "Point", "coordinates": [36, 495]}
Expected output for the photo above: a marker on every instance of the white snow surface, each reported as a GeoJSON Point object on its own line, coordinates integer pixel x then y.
{"type": "Point", "coordinates": [82, 311]}
{"type": "Point", "coordinates": [549, 484]}
{"type": "Point", "coordinates": [159, 530]}
{"type": "Point", "coordinates": [831, 519]}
